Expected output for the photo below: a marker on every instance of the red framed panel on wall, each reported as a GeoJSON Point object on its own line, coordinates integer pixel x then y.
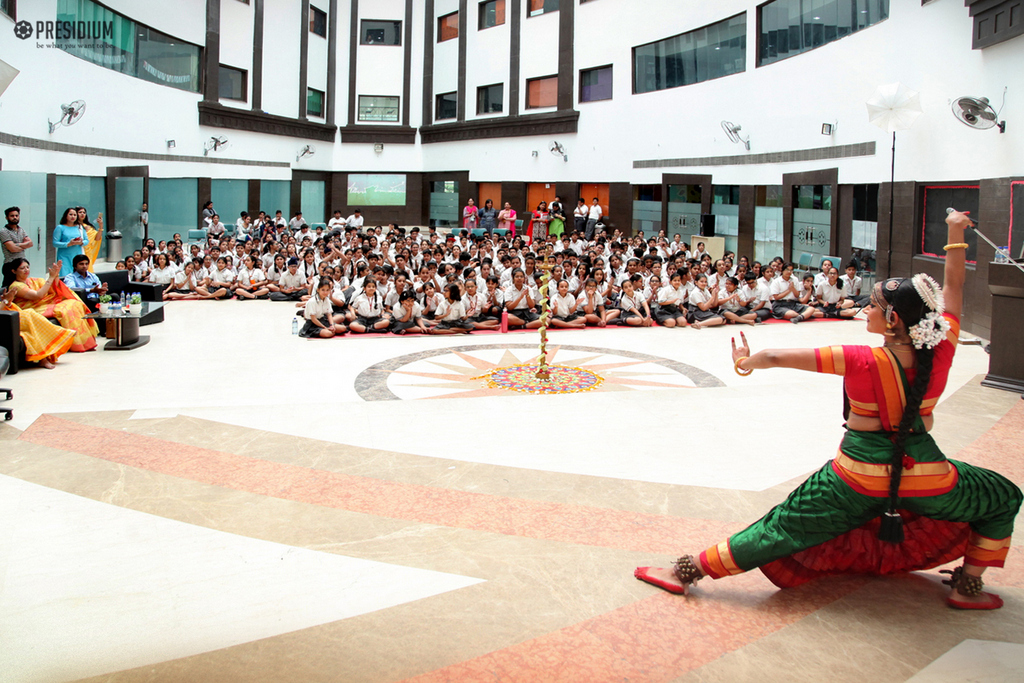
{"type": "Point", "coordinates": [935, 201]}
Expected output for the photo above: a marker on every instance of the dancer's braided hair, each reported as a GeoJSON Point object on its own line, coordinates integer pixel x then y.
{"type": "Point", "coordinates": [907, 303]}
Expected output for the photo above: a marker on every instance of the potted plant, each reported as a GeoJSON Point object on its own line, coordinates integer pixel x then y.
{"type": "Point", "coordinates": [135, 301]}
{"type": "Point", "coordinates": [104, 304]}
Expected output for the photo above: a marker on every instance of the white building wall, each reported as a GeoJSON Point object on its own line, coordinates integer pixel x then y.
{"type": "Point", "coordinates": [446, 54]}
{"type": "Point", "coordinates": [538, 46]}
{"type": "Point", "coordinates": [281, 55]}
{"type": "Point", "coordinates": [236, 21]}
{"type": "Point", "coordinates": [316, 59]}
{"type": "Point", "coordinates": [491, 60]}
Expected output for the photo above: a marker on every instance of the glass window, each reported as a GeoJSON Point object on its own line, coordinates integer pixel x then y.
{"type": "Point", "coordinates": [596, 84]}
{"type": "Point", "coordinates": [375, 108]}
{"type": "Point", "coordinates": [317, 21]}
{"type": "Point", "coordinates": [380, 33]}
{"type": "Point", "coordinates": [275, 195]}
{"type": "Point", "coordinates": [446, 106]}
{"type": "Point", "coordinates": [314, 102]}
{"type": "Point", "coordinates": [542, 92]}
{"type": "Point", "coordinates": [933, 223]}
{"type": "Point", "coordinates": [173, 207]}
{"type": "Point", "coordinates": [232, 83]}
{"type": "Point", "coordinates": [444, 203]}
{"type": "Point", "coordinates": [538, 7]}
{"type": "Point", "coordinates": [492, 13]}
{"type": "Point", "coordinates": [448, 27]}
{"type": "Point", "coordinates": [120, 44]}
{"type": "Point", "coordinates": [489, 99]}
{"type": "Point", "coordinates": [7, 7]}
{"type": "Point", "coordinates": [710, 52]}
{"type": "Point", "coordinates": [789, 27]}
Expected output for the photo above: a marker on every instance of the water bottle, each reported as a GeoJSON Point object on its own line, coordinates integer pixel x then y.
{"type": "Point", "coordinates": [295, 325]}
{"type": "Point", "coordinates": [504, 321]}
{"type": "Point", "coordinates": [1003, 255]}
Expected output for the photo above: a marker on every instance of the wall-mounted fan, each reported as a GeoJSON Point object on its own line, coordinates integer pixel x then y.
{"type": "Point", "coordinates": [558, 149]}
{"type": "Point", "coordinates": [977, 113]}
{"type": "Point", "coordinates": [69, 115]}
{"type": "Point", "coordinates": [214, 144]}
{"type": "Point", "coordinates": [307, 151]}
{"type": "Point", "coordinates": [733, 132]}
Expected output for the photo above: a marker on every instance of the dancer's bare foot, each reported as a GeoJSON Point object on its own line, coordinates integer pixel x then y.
{"type": "Point", "coordinates": [981, 601]}
{"type": "Point", "coordinates": [662, 577]}
{"type": "Point", "coordinates": [47, 363]}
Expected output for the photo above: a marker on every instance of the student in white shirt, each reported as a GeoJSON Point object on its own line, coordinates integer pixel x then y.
{"type": "Point", "coordinates": [822, 275]}
{"type": "Point", "coordinates": [452, 314]}
{"type": "Point", "coordinates": [785, 291]}
{"type": "Point", "coordinates": [703, 305]}
{"type": "Point", "coordinates": [829, 296]}
{"type": "Point", "coordinates": [369, 310]}
{"type": "Point", "coordinates": [755, 297]}
{"type": "Point", "coordinates": [291, 285]}
{"type": "Point", "coordinates": [852, 287]}
{"type": "Point", "coordinates": [407, 314]}
{"type": "Point", "coordinates": [716, 280]}
{"type": "Point", "coordinates": [251, 283]}
{"type": "Point", "coordinates": [672, 302]}
{"type": "Point", "coordinates": [185, 285]}
{"type": "Point", "coordinates": [475, 303]}
{"type": "Point", "coordinates": [222, 280]}
{"type": "Point", "coordinates": [563, 308]}
{"type": "Point", "coordinates": [633, 309]}
{"type": "Point", "coordinates": [590, 305]}
{"type": "Point", "coordinates": [519, 302]}
{"type": "Point", "coordinates": [320, 319]}
{"type": "Point", "coordinates": [731, 304]}
{"type": "Point", "coordinates": [163, 273]}
{"type": "Point", "coordinates": [430, 299]}
{"type": "Point", "coordinates": [494, 299]}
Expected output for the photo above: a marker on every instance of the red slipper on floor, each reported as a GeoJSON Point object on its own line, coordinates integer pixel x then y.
{"type": "Point", "coordinates": [641, 573]}
{"type": "Point", "coordinates": [995, 602]}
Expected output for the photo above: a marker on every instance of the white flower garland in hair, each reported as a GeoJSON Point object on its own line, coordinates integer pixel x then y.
{"type": "Point", "coordinates": [929, 331]}
{"type": "Point", "coordinates": [930, 292]}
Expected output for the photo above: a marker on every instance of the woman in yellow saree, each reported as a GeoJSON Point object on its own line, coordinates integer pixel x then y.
{"type": "Point", "coordinates": [92, 249]}
{"type": "Point", "coordinates": [44, 342]}
{"type": "Point", "coordinates": [52, 299]}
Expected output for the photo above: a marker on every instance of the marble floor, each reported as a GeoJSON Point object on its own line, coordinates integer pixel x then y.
{"type": "Point", "coordinates": [233, 503]}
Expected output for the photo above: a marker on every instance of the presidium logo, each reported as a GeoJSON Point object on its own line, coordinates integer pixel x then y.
{"type": "Point", "coordinates": [65, 30]}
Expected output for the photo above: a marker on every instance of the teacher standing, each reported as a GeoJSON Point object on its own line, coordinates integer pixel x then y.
{"type": "Point", "coordinates": [69, 238]}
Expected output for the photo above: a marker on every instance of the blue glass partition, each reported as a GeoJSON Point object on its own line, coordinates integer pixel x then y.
{"type": "Point", "coordinates": [314, 198]}
{"type": "Point", "coordinates": [230, 198]}
{"type": "Point", "coordinates": [276, 195]}
{"type": "Point", "coordinates": [173, 207]}
{"type": "Point", "coordinates": [127, 207]}
{"type": "Point", "coordinates": [27, 191]}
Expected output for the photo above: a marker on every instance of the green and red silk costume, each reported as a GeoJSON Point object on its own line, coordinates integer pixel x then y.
{"type": "Point", "coordinates": [829, 524]}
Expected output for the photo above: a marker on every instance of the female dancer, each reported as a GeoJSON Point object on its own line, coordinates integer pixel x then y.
{"type": "Point", "coordinates": [890, 501]}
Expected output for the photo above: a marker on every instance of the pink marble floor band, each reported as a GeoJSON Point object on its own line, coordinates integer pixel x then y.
{"type": "Point", "coordinates": [543, 520]}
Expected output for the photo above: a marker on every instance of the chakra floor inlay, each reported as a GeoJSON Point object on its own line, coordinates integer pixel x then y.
{"type": "Point", "coordinates": [505, 369]}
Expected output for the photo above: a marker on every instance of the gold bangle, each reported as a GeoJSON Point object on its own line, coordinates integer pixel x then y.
{"type": "Point", "coordinates": [739, 371]}
{"type": "Point", "coordinates": [957, 245]}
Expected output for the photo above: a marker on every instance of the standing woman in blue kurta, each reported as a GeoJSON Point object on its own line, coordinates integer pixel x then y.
{"type": "Point", "coordinates": [69, 238]}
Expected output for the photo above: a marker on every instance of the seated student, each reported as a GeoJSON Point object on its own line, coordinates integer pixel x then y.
{"type": "Point", "coordinates": [731, 306]}
{"type": "Point", "coordinates": [251, 282]}
{"type": "Point", "coordinates": [451, 314]}
{"type": "Point", "coordinates": [755, 297]}
{"type": "Point", "coordinates": [320, 319]}
{"type": "Point", "coordinates": [829, 296]}
{"type": "Point", "coordinates": [822, 276]}
{"type": "Point", "coordinates": [368, 307]}
{"type": "Point", "coordinates": [291, 286]}
{"type": "Point", "coordinates": [162, 273]}
{"type": "Point", "coordinates": [703, 305]}
{"type": "Point", "coordinates": [407, 314]}
{"type": "Point", "coordinates": [222, 280]}
{"type": "Point", "coordinates": [672, 302]}
{"type": "Point", "coordinates": [339, 298]}
{"type": "Point", "coordinates": [590, 305]}
{"type": "Point", "coordinates": [633, 309]}
{"type": "Point", "coordinates": [519, 302]}
{"type": "Point", "coordinates": [785, 291]}
{"type": "Point", "coordinates": [185, 285]}
{"type": "Point", "coordinates": [475, 303]}
{"type": "Point", "coordinates": [494, 301]}
{"type": "Point", "coordinates": [852, 286]}
{"type": "Point", "coordinates": [806, 294]}
{"type": "Point", "coordinates": [430, 299]}
{"type": "Point", "coordinates": [274, 272]}
{"type": "Point", "coordinates": [81, 278]}
{"type": "Point", "coordinates": [563, 308]}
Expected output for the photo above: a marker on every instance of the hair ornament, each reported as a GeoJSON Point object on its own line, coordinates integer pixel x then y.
{"type": "Point", "coordinates": [930, 292]}
{"type": "Point", "coordinates": [929, 331]}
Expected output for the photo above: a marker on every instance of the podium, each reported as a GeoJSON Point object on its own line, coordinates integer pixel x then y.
{"type": "Point", "coordinates": [1006, 363]}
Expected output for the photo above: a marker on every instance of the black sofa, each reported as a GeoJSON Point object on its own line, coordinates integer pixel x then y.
{"type": "Point", "coordinates": [117, 282]}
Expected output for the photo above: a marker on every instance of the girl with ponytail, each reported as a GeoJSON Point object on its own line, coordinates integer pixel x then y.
{"type": "Point", "coordinates": [889, 501]}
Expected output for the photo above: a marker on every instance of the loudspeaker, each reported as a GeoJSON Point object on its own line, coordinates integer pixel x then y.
{"type": "Point", "coordinates": [707, 225]}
